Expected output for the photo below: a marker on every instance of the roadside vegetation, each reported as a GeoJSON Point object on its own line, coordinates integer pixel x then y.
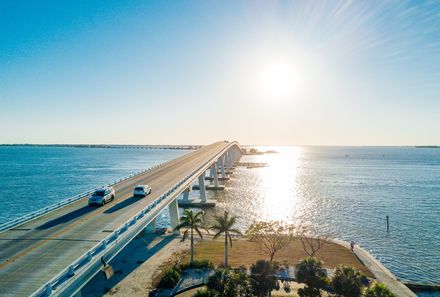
{"type": "Point", "coordinates": [258, 263]}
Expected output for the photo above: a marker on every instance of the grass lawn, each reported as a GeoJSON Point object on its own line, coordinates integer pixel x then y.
{"type": "Point", "coordinates": [244, 252]}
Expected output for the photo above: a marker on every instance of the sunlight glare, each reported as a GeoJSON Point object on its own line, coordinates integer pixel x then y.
{"type": "Point", "coordinates": [279, 80]}
{"type": "Point", "coordinates": [280, 184]}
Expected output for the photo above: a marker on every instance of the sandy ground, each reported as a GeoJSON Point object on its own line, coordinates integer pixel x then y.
{"type": "Point", "coordinates": [134, 267]}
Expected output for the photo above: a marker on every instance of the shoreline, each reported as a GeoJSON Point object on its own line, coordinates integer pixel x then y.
{"type": "Point", "coordinates": [381, 273]}
{"type": "Point", "coordinates": [138, 265]}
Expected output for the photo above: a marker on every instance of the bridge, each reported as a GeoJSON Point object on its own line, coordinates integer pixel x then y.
{"type": "Point", "coordinates": [57, 250]}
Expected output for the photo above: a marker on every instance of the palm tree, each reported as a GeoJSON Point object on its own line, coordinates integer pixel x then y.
{"type": "Point", "coordinates": [224, 224]}
{"type": "Point", "coordinates": [191, 222]}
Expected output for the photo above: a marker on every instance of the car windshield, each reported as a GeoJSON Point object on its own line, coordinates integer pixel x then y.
{"type": "Point", "coordinates": [99, 193]}
{"type": "Point", "coordinates": [139, 188]}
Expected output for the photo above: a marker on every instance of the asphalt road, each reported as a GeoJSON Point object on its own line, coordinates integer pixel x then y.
{"type": "Point", "coordinates": [33, 253]}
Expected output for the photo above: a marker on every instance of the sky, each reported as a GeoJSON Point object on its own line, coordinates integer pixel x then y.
{"type": "Point", "coordinates": [195, 72]}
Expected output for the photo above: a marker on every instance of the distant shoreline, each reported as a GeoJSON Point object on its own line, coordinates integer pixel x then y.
{"type": "Point", "coordinates": [427, 146]}
{"type": "Point", "coordinates": [112, 146]}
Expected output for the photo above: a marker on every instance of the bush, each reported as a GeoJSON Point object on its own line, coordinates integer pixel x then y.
{"type": "Point", "coordinates": [263, 277]}
{"type": "Point", "coordinates": [310, 272]}
{"type": "Point", "coordinates": [206, 293]}
{"type": "Point", "coordinates": [170, 279]}
{"type": "Point", "coordinates": [347, 281]}
{"type": "Point", "coordinates": [230, 284]}
{"type": "Point", "coordinates": [309, 292]}
{"type": "Point", "coordinates": [378, 290]}
{"type": "Point", "coordinates": [198, 264]}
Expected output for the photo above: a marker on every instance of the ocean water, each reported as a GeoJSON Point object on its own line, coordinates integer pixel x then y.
{"type": "Point", "coordinates": [345, 192]}
{"type": "Point", "coordinates": [34, 177]}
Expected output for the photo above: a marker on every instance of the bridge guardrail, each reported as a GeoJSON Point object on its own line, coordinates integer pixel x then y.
{"type": "Point", "coordinates": [35, 214]}
{"type": "Point", "coordinates": [99, 249]}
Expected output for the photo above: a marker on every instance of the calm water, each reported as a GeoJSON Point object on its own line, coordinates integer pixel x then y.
{"type": "Point", "coordinates": [345, 192]}
{"type": "Point", "coordinates": [34, 177]}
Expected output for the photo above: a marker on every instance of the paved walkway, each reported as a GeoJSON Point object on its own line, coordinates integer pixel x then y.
{"type": "Point", "coordinates": [381, 273]}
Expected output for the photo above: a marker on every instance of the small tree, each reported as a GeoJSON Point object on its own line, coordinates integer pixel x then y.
{"type": "Point", "coordinates": [272, 236]}
{"type": "Point", "coordinates": [225, 225]}
{"type": "Point", "coordinates": [347, 281]}
{"type": "Point", "coordinates": [311, 240]}
{"type": "Point", "coordinates": [230, 284]}
{"type": "Point", "coordinates": [378, 290]}
{"type": "Point", "coordinates": [310, 272]}
{"type": "Point", "coordinates": [263, 278]}
{"type": "Point", "coordinates": [191, 222]}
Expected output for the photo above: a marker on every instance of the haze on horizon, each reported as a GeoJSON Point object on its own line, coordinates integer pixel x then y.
{"type": "Point", "coordinates": [194, 72]}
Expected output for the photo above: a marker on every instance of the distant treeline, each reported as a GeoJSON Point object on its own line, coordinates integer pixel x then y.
{"type": "Point", "coordinates": [116, 146]}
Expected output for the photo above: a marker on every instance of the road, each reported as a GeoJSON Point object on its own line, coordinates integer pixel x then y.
{"type": "Point", "coordinates": [36, 251]}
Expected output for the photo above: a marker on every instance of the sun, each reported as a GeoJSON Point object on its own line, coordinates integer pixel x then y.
{"type": "Point", "coordinates": [279, 80]}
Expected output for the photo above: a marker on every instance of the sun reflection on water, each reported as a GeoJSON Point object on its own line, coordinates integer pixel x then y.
{"type": "Point", "coordinates": [280, 184]}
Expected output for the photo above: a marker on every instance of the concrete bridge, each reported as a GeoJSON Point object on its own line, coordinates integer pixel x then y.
{"type": "Point", "coordinates": [56, 251]}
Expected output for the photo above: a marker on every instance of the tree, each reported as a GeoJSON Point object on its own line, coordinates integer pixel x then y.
{"type": "Point", "coordinates": [378, 290]}
{"type": "Point", "coordinates": [230, 284]}
{"type": "Point", "coordinates": [191, 222]}
{"type": "Point", "coordinates": [310, 272]}
{"type": "Point", "coordinates": [272, 236]}
{"type": "Point", "coordinates": [311, 240]}
{"type": "Point", "coordinates": [224, 225]}
{"type": "Point", "coordinates": [347, 281]}
{"type": "Point", "coordinates": [263, 278]}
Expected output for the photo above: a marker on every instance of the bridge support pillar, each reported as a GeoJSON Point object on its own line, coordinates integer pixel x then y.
{"type": "Point", "coordinates": [174, 215]}
{"type": "Point", "coordinates": [214, 174]}
{"type": "Point", "coordinates": [228, 160]}
{"type": "Point", "coordinates": [151, 227]}
{"type": "Point", "coordinates": [222, 164]}
{"type": "Point", "coordinates": [202, 188]}
{"type": "Point", "coordinates": [186, 194]}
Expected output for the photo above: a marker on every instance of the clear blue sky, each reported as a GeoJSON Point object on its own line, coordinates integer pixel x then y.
{"type": "Point", "coordinates": [260, 72]}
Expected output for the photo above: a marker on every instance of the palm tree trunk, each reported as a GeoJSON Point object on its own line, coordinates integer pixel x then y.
{"type": "Point", "coordinates": [192, 246]}
{"type": "Point", "coordinates": [226, 249]}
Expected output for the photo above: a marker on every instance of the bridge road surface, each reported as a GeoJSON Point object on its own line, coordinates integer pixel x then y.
{"type": "Point", "coordinates": [33, 253]}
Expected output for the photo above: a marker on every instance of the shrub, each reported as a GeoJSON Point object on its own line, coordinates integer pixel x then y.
{"type": "Point", "coordinates": [198, 264]}
{"type": "Point", "coordinates": [310, 272]}
{"type": "Point", "coordinates": [378, 290]}
{"type": "Point", "coordinates": [309, 292]}
{"type": "Point", "coordinates": [263, 277]}
{"type": "Point", "coordinates": [206, 293]}
{"type": "Point", "coordinates": [170, 279]}
{"type": "Point", "coordinates": [230, 284]}
{"type": "Point", "coordinates": [347, 281]}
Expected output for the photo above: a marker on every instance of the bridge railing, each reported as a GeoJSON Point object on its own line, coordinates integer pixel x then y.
{"type": "Point", "coordinates": [111, 240]}
{"type": "Point", "coordinates": [35, 214]}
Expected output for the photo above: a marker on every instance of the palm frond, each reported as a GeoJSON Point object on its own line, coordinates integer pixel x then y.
{"type": "Point", "coordinates": [185, 235]}
{"type": "Point", "coordinates": [236, 231]}
{"type": "Point", "coordinates": [217, 235]}
{"type": "Point", "coordinates": [198, 232]}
